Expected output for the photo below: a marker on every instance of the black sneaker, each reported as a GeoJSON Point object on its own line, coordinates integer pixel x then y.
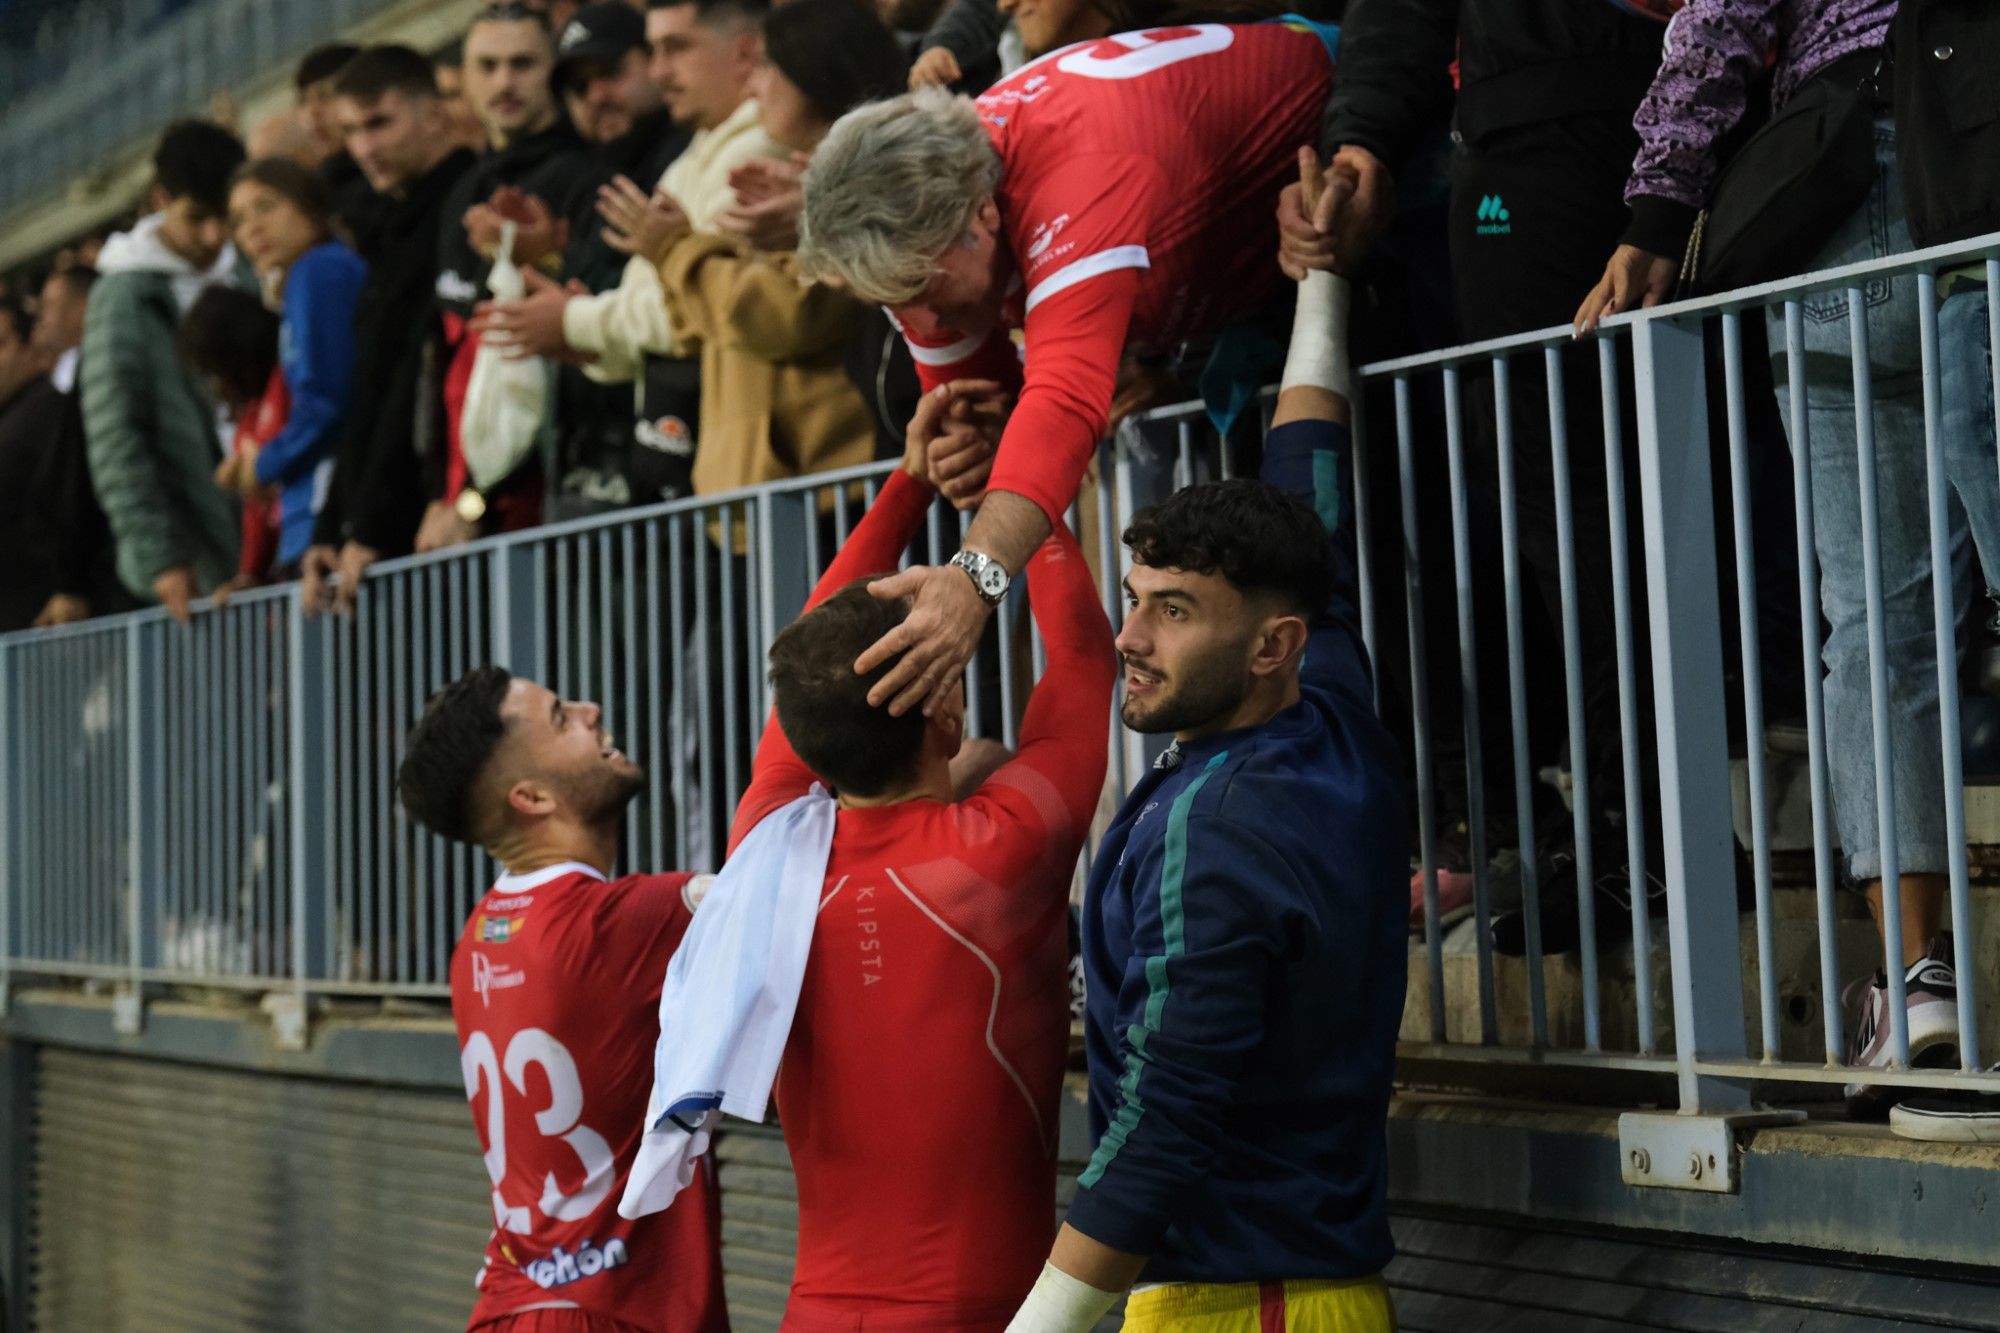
{"type": "Point", "coordinates": [1949, 1117]}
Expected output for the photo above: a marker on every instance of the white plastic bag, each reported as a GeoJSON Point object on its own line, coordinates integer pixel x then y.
{"type": "Point", "coordinates": [506, 400]}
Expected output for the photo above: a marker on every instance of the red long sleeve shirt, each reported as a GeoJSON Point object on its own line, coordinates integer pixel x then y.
{"type": "Point", "coordinates": [1138, 192]}
{"type": "Point", "coordinates": [918, 1094]}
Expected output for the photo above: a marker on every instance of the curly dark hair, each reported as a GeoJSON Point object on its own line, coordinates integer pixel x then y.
{"type": "Point", "coordinates": [449, 750]}
{"type": "Point", "coordinates": [823, 705]}
{"type": "Point", "coordinates": [1256, 536]}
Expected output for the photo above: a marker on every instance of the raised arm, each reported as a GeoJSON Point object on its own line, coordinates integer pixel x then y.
{"type": "Point", "coordinates": [778, 774]}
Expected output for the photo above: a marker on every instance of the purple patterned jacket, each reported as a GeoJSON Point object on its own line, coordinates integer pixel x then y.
{"type": "Point", "coordinates": [1714, 50]}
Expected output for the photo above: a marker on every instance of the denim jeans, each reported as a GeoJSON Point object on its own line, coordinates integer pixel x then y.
{"type": "Point", "coordinates": [1874, 230]}
{"type": "Point", "coordinates": [1971, 452]}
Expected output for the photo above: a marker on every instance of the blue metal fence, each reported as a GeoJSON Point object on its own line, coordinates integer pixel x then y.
{"type": "Point", "coordinates": [214, 803]}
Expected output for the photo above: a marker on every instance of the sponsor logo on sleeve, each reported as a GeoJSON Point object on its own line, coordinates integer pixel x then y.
{"type": "Point", "coordinates": [499, 929]}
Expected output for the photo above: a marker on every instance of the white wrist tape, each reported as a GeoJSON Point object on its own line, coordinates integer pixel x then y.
{"type": "Point", "coordinates": [1059, 1303]}
{"type": "Point", "coordinates": [1318, 355]}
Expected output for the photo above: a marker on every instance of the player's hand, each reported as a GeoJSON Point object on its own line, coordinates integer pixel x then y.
{"type": "Point", "coordinates": [930, 648]}
{"type": "Point", "coordinates": [316, 570]}
{"type": "Point", "coordinates": [969, 403]}
{"type": "Point", "coordinates": [1635, 279]}
{"type": "Point", "coordinates": [175, 590]}
{"type": "Point", "coordinates": [935, 68]}
{"type": "Point", "coordinates": [1331, 219]}
{"type": "Point", "coordinates": [533, 325]}
{"type": "Point", "coordinates": [961, 463]}
{"type": "Point", "coordinates": [241, 583]}
{"type": "Point", "coordinates": [62, 609]}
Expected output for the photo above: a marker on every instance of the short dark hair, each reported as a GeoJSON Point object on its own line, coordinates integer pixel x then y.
{"type": "Point", "coordinates": [448, 751]}
{"type": "Point", "coordinates": [15, 313]}
{"type": "Point", "coordinates": [739, 13]}
{"type": "Point", "coordinates": [195, 160]}
{"type": "Point", "coordinates": [822, 702]}
{"type": "Point", "coordinates": [298, 183]}
{"type": "Point", "coordinates": [512, 11]}
{"type": "Point", "coordinates": [1259, 538]}
{"type": "Point", "coordinates": [837, 52]}
{"type": "Point", "coordinates": [229, 336]}
{"type": "Point", "coordinates": [379, 70]}
{"type": "Point", "coordinates": [322, 63]}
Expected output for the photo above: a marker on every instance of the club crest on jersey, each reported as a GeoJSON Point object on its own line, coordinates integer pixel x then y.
{"type": "Point", "coordinates": [499, 929]}
{"type": "Point", "coordinates": [562, 1268]}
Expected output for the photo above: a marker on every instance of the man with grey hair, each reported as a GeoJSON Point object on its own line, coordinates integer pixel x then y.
{"type": "Point", "coordinates": [1116, 195]}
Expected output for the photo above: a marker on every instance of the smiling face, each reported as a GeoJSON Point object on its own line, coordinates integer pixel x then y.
{"type": "Point", "coordinates": [1187, 646]}
{"type": "Point", "coordinates": [507, 70]}
{"type": "Point", "coordinates": [557, 750]}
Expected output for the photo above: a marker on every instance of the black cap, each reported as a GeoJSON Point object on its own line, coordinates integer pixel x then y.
{"type": "Point", "coordinates": [600, 33]}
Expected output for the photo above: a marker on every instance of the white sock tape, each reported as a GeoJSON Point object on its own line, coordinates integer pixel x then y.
{"type": "Point", "coordinates": [1318, 356]}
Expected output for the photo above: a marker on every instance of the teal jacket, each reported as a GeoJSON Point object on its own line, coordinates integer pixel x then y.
{"type": "Point", "coordinates": [152, 438]}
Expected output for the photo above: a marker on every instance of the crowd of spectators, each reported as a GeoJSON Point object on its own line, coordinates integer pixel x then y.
{"type": "Point", "coordinates": [580, 229]}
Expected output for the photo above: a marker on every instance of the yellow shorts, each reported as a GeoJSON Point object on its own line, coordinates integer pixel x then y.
{"type": "Point", "coordinates": [1358, 1305]}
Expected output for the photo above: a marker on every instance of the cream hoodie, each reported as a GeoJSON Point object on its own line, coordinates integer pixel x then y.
{"type": "Point", "coordinates": [621, 325]}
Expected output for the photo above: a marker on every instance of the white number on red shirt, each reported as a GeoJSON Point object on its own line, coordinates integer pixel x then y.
{"type": "Point", "coordinates": [562, 1118]}
{"type": "Point", "coordinates": [1145, 52]}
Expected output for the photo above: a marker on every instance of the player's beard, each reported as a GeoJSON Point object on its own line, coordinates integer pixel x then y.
{"type": "Point", "coordinates": [604, 792]}
{"type": "Point", "coordinates": [1200, 691]}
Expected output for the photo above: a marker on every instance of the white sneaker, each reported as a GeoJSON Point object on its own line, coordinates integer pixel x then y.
{"type": "Point", "coordinates": [1930, 993]}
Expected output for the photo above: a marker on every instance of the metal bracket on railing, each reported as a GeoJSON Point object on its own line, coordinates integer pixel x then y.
{"type": "Point", "coordinates": [290, 1014]}
{"type": "Point", "coordinates": [1689, 1152]}
{"type": "Point", "coordinates": [128, 1011]}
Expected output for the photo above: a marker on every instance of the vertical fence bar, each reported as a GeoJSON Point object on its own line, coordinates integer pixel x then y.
{"type": "Point", "coordinates": [1878, 673]}
{"type": "Point", "coordinates": [1364, 533]}
{"type": "Point", "coordinates": [704, 619]}
{"type": "Point", "coordinates": [1628, 692]}
{"type": "Point", "coordinates": [628, 724]}
{"type": "Point", "coordinates": [1420, 706]}
{"type": "Point", "coordinates": [1799, 431]}
{"type": "Point", "coordinates": [310, 767]}
{"type": "Point", "coordinates": [675, 733]}
{"type": "Point", "coordinates": [1583, 808]}
{"type": "Point", "coordinates": [1753, 676]}
{"type": "Point", "coordinates": [145, 827]}
{"type": "Point", "coordinates": [1517, 701]}
{"type": "Point", "coordinates": [1468, 679]}
{"type": "Point", "coordinates": [1685, 621]}
{"type": "Point", "coordinates": [659, 710]}
{"type": "Point", "coordinates": [726, 617]}
{"type": "Point", "coordinates": [1943, 610]}
{"type": "Point", "coordinates": [11, 851]}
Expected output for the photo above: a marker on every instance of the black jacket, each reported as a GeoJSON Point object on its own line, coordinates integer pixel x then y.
{"type": "Point", "coordinates": [47, 507]}
{"type": "Point", "coordinates": [377, 493]}
{"type": "Point", "coordinates": [590, 467]}
{"type": "Point", "coordinates": [1521, 62]}
{"type": "Point", "coordinates": [1948, 117]}
{"type": "Point", "coordinates": [554, 166]}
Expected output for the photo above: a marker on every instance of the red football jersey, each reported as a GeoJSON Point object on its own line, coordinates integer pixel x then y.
{"type": "Point", "coordinates": [919, 1089]}
{"type": "Point", "coordinates": [1138, 191]}
{"type": "Point", "coordinates": [555, 987]}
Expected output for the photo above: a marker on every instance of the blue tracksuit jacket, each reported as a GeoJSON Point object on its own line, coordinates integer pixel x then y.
{"type": "Point", "coordinates": [1245, 953]}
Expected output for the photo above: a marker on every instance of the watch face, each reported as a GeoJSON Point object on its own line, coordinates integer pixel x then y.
{"type": "Point", "coordinates": [993, 580]}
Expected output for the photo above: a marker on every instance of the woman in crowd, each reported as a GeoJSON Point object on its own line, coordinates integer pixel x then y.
{"type": "Point", "coordinates": [1699, 96]}
{"type": "Point", "coordinates": [283, 224]}
{"type": "Point", "coordinates": [230, 341]}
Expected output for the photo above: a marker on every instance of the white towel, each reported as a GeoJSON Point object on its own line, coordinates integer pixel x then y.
{"type": "Point", "coordinates": [731, 990]}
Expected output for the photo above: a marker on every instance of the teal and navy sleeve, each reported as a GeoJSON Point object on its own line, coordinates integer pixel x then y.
{"type": "Point", "coordinates": [1209, 932]}
{"type": "Point", "coordinates": [1313, 460]}
{"type": "Point", "coordinates": [318, 358]}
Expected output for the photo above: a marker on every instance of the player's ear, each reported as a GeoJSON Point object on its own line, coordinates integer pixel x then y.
{"type": "Point", "coordinates": [1278, 644]}
{"type": "Point", "coordinates": [988, 216]}
{"type": "Point", "coordinates": [531, 799]}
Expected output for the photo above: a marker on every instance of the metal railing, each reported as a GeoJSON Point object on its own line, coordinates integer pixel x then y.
{"type": "Point", "coordinates": [125, 77]}
{"type": "Point", "coordinates": [213, 804]}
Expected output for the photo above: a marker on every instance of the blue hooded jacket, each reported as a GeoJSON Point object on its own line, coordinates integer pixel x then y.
{"type": "Point", "coordinates": [316, 356]}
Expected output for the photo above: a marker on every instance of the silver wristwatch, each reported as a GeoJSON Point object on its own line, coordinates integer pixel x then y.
{"type": "Point", "coordinates": [990, 578]}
